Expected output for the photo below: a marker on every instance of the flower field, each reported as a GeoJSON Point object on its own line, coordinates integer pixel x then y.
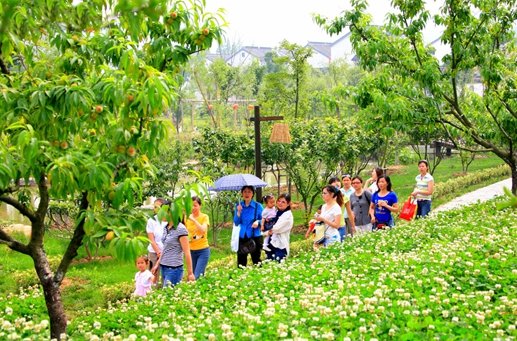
{"type": "Point", "coordinates": [449, 277]}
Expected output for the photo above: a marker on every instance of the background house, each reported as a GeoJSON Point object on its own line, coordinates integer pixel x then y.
{"type": "Point", "coordinates": [247, 54]}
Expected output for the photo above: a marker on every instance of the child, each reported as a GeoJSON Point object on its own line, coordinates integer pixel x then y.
{"type": "Point", "coordinates": [143, 278]}
{"type": "Point", "coordinates": [313, 222]}
{"type": "Point", "coordinates": [268, 218]}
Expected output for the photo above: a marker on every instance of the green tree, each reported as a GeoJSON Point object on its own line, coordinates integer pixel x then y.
{"type": "Point", "coordinates": [314, 155]}
{"type": "Point", "coordinates": [82, 90]}
{"type": "Point", "coordinates": [297, 59]}
{"type": "Point", "coordinates": [285, 84]}
{"type": "Point", "coordinates": [480, 38]}
{"type": "Point", "coordinates": [337, 98]}
{"type": "Point", "coordinates": [170, 163]}
{"type": "Point", "coordinates": [219, 83]}
{"type": "Point", "coordinates": [220, 151]}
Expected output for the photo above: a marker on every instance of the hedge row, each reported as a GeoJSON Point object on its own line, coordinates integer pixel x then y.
{"type": "Point", "coordinates": [454, 185]}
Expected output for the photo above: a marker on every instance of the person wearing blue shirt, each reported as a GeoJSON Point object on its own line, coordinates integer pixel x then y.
{"type": "Point", "coordinates": [248, 215]}
{"type": "Point", "coordinates": [384, 203]}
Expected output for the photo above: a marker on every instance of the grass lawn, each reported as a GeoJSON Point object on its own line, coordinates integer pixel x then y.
{"type": "Point", "coordinates": [403, 180]}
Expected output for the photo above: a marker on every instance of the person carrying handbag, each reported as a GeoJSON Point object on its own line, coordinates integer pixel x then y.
{"type": "Point", "coordinates": [248, 214]}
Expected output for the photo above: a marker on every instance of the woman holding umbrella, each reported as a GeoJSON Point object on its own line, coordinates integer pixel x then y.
{"type": "Point", "coordinates": [248, 214]}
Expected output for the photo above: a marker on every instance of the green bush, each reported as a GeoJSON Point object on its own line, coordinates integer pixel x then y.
{"type": "Point", "coordinates": [455, 184]}
{"type": "Point", "coordinates": [407, 156]}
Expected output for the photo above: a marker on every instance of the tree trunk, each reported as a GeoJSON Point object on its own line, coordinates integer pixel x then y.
{"type": "Point", "coordinates": [513, 167]}
{"type": "Point", "coordinates": [52, 293]}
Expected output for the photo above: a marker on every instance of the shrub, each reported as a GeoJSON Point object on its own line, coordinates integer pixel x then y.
{"type": "Point", "coordinates": [454, 185]}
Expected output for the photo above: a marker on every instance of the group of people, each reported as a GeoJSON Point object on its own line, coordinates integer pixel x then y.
{"type": "Point", "coordinates": [350, 207]}
{"type": "Point", "coordinates": [353, 206]}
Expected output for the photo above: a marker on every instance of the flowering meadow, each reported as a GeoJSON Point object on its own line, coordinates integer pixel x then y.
{"type": "Point", "coordinates": [448, 277]}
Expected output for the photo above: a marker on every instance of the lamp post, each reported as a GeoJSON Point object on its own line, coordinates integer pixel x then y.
{"type": "Point", "coordinates": [258, 159]}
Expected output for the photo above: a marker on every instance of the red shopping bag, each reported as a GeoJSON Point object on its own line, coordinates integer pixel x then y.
{"type": "Point", "coordinates": [408, 211]}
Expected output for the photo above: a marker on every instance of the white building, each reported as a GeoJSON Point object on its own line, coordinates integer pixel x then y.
{"type": "Point", "coordinates": [247, 54]}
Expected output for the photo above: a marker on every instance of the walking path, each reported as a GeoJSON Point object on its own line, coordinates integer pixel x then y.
{"type": "Point", "coordinates": [480, 195]}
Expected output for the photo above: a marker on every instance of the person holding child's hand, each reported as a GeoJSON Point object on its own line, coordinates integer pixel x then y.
{"type": "Point", "coordinates": [175, 248]}
{"type": "Point", "coordinates": [154, 229]}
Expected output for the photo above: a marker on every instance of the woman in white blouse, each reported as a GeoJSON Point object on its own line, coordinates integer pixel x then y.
{"type": "Point", "coordinates": [331, 213]}
{"type": "Point", "coordinates": [279, 241]}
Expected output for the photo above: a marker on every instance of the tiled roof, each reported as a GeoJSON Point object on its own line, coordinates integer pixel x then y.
{"type": "Point", "coordinates": [323, 48]}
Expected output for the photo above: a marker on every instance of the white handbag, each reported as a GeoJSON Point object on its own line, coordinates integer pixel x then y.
{"type": "Point", "coordinates": [235, 238]}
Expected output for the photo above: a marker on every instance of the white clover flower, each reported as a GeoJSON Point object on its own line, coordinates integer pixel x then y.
{"type": "Point", "coordinates": [455, 319]}
{"type": "Point", "coordinates": [391, 332]}
{"type": "Point", "coordinates": [13, 336]}
{"type": "Point", "coordinates": [97, 325]}
{"type": "Point", "coordinates": [480, 317]}
{"type": "Point", "coordinates": [431, 327]}
{"type": "Point", "coordinates": [362, 329]}
{"type": "Point", "coordinates": [497, 324]}
{"type": "Point", "coordinates": [132, 337]}
{"type": "Point", "coordinates": [8, 310]}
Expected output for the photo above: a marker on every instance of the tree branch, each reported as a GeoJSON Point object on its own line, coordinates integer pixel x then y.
{"type": "Point", "coordinates": [497, 123]}
{"type": "Point", "coordinates": [469, 40]}
{"type": "Point", "coordinates": [506, 105]}
{"type": "Point", "coordinates": [75, 242]}
{"type": "Point", "coordinates": [3, 67]}
{"type": "Point", "coordinates": [24, 210]}
{"type": "Point", "coordinates": [12, 243]}
{"type": "Point", "coordinates": [38, 227]}
{"type": "Point", "coordinates": [11, 189]}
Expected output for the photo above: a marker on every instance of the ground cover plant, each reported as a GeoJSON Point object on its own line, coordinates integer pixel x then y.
{"type": "Point", "coordinates": [91, 284]}
{"type": "Point", "coordinates": [451, 276]}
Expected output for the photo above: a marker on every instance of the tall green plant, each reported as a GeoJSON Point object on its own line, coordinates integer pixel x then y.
{"type": "Point", "coordinates": [480, 39]}
{"type": "Point", "coordinates": [171, 164]}
{"type": "Point", "coordinates": [83, 86]}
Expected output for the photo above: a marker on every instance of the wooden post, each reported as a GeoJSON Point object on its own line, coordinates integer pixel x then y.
{"type": "Point", "coordinates": [258, 159]}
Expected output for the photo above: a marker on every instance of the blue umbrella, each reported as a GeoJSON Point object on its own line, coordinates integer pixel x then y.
{"type": "Point", "coordinates": [235, 182]}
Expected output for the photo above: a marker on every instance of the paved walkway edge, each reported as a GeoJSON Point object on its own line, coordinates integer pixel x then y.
{"type": "Point", "coordinates": [479, 195]}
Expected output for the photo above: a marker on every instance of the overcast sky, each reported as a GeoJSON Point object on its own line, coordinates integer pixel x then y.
{"type": "Point", "coordinates": [268, 22]}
